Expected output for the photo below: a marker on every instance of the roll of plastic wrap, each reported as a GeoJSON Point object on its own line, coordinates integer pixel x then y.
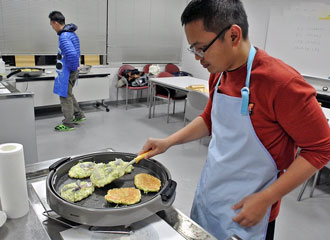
{"type": "Point", "coordinates": [13, 188]}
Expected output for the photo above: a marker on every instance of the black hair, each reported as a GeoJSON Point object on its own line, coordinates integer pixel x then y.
{"type": "Point", "coordinates": [57, 16]}
{"type": "Point", "coordinates": [216, 14]}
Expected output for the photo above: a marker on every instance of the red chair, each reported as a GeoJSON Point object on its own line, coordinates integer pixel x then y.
{"type": "Point", "coordinates": [146, 68]}
{"type": "Point", "coordinates": [165, 74]}
{"type": "Point", "coordinates": [168, 95]}
{"type": "Point", "coordinates": [126, 86]}
{"type": "Point", "coordinates": [125, 67]}
{"type": "Point", "coordinates": [171, 68]}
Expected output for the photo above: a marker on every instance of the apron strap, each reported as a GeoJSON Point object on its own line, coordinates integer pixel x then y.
{"type": "Point", "coordinates": [245, 92]}
{"type": "Point", "coordinates": [218, 83]}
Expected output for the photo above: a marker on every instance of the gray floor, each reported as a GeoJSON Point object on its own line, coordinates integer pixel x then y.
{"type": "Point", "coordinates": [126, 131]}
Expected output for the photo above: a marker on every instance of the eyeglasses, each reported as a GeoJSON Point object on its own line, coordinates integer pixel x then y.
{"type": "Point", "coordinates": [200, 52]}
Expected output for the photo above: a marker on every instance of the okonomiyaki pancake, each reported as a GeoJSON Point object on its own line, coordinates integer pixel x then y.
{"type": "Point", "coordinates": [103, 174]}
{"type": "Point", "coordinates": [126, 196]}
{"type": "Point", "coordinates": [76, 191]}
{"type": "Point", "coordinates": [147, 182]}
{"type": "Point", "coordinates": [81, 170]}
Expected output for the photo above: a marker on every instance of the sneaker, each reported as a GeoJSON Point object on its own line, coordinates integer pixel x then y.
{"type": "Point", "coordinates": [63, 128]}
{"type": "Point", "coordinates": [78, 120]}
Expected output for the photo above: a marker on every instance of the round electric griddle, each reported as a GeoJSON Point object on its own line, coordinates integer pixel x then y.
{"type": "Point", "coordinates": [95, 210]}
{"type": "Point", "coordinates": [34, 72]}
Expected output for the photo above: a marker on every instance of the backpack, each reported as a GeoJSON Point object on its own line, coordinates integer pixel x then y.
{"type": "Point", "coordinates": [135, 78]}
{"type": "Point", "coordinates": [140, 82]}
{"type": "Point", "coordinates": [182, 73]}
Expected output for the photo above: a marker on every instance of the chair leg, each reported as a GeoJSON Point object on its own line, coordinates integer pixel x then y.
{"type": "Point", "coordinates": [173, 107]}
{"type": "Point", "coordinates": [184, 109]}
{"type": "Point", "coordinates": [117, 95]}
{"type": "Point", "coordinates": [302, 190]}
{"type": "Point", "coordinates": [314, 183]}
{"type": "Point", "coordinates": [168, 110]}
{"type": "Point", "coordinates": [126, 97]}
{"type": "Point", "coordinates": [153, 107]}
{"type": "Point", "coordinates": [148, 95]}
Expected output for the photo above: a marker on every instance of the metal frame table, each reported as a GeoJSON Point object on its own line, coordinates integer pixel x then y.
{"type": "Point", "coordinates": [176, 83]}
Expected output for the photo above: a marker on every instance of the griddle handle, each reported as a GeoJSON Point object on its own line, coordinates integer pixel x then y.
{"type": "Point", "coordinates": [14, 72]}
{"type": "Point", "coordinates": [55, 165]}
{"type": "Point", "coordinates": [169, 190]}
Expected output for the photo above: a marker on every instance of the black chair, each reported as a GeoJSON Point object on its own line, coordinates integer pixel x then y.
{"type": "Point", "coordinates": [169, 95]}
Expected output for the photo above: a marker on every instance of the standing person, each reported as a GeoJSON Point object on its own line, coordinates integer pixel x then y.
{"type": "Point", "coordinates": [259, 111]}
{"type": "Point", "coordinates": [67, 70]}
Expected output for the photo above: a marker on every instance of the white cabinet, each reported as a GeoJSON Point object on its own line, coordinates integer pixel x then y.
{"type": "Point", "coordinates": [43, 92]}
{"type": "Point", "coordinates": [18, 122]}
{"type": "Point", "coordinates": [89, 88]}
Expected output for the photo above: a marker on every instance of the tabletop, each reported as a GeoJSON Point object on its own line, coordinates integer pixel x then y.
{"type": "Point", "coordinates": [180, 83]}
{"type": "Point", "coordinates": [326, 112]}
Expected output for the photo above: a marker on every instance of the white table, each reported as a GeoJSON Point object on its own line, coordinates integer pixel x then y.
{"type": "Point", "coordinates": [176, 83]}
{"type": "Point", "coordinates": [326, 112]}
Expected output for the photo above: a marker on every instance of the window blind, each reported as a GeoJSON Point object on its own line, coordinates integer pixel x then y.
{"type": "Point", "coordinates": [25, 28]}
{"type": "Point", "coordinates": [145, 31]}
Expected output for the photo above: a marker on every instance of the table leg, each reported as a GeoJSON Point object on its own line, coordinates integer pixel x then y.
{"type": "Point", "coordinates": [151, 98]}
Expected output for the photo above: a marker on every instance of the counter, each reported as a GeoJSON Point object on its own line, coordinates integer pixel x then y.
{"type": "Point", "coordinates": [91, 86]}
{"type": "Point", "coordinates": [17, 120]}
{"type": "Point", "coordinates": [36, 226]}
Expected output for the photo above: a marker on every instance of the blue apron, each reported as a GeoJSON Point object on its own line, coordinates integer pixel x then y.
{"type": "Point", "coordinates": [63, 74]}
{"type": "Point", "coordinates": [237, 165]}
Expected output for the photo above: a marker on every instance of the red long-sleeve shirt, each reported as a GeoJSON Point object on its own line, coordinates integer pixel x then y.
{"type": "Point", "coordinates": [285, 111]}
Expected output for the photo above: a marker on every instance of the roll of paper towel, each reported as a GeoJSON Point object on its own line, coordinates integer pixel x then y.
{"type": "Point", "coordinates": [13, 188]}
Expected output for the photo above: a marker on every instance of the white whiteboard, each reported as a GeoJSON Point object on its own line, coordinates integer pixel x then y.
{"type": "Point", "coordinates": [299, 34]}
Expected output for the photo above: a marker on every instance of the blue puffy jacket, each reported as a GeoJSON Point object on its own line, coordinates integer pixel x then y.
{"type": "Point", "coordinates": [67, 58]}
{"type": "Point", "coordinates": [70, 46]}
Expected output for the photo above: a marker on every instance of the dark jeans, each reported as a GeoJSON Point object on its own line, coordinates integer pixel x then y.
{"type": "Point", "coordinates": [270, 231]}
{"type": "Point", "coordinates": [69, 105]}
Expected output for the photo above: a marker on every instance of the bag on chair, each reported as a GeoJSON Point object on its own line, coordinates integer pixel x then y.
{"type": "Point", "coordinates": [135, 78]}
{"type": "Point", "coordinates": [140, 82]}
